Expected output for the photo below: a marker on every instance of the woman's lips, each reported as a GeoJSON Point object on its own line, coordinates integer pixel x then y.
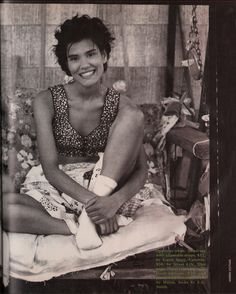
{"type": "Point", "coordinates": [87, 74]}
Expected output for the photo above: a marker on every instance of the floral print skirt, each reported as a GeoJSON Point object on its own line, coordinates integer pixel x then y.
{"type": "Point", "coordinates": [58, 204]}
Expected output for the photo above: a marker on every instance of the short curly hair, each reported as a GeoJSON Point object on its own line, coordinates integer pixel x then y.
{"type": "Point", "coordinates": [77, 29]}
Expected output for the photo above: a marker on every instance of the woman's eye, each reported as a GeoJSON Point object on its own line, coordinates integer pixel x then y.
{"type": "Point", "coordinates": [90, 54]}
{"type": "Point", "coordinates": [73, 58]}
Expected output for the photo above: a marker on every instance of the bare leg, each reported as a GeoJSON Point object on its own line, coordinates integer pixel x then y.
{"type": "Point", "coordinates": [123, 146]}
{"type": "Point", "coordinates": [23, 214]}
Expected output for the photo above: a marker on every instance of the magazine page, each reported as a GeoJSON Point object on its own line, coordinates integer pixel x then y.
{"type": "Point", "coordinates": [106, 160]}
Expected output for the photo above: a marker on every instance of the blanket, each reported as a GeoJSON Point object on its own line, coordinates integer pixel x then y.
{"type": "Point", "coordinates": [38, 258]}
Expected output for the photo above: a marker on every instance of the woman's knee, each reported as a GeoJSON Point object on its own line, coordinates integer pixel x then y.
{"type": "Point", "coordinates": [10, 215]}
{"type": "Point", "coordinates": [10, 198]}
{"type": "Point", "coordinates": [16, 198]}
{"type": "Point", "coordinates": [130, 120]}
{"type": "Point", "coordinates": [133, 117]}
{"type": "Point", "coordinates": [138, 117]}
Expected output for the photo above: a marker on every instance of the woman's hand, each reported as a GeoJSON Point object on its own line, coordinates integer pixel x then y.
{"type": "Point", "coordinates": [101, 209]}
{"type": "Point", "coordinates": [108, 227]}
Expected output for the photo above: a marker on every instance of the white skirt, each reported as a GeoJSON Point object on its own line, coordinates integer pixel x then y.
{"type": "Point", "coordinates": [58, 204]}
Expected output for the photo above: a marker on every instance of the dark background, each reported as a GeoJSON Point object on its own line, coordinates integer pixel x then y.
{"type": "Point", "coordinates": [222, 93]}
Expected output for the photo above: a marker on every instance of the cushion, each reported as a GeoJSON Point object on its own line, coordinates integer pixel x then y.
{"type": "Point", "coordinates": [39, 258]}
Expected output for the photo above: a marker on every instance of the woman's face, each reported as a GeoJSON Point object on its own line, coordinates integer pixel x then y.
{"type": "Point", "coordinates": [85, 62]}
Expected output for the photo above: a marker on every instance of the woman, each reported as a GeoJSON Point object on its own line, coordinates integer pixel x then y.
{"type": "Point", "coordinates": [75, 123]}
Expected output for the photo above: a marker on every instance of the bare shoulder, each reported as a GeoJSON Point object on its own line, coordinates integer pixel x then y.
{"type": "Point", "coordinates": [43, 103]}
{"type": "Point", "coordinates": [128, 108]}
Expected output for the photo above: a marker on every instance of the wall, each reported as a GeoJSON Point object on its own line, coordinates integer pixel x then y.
{"type": "Point", "coordinates": [139, 54]}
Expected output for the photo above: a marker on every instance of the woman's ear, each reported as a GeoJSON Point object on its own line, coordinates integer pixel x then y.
{"type": "Point", "coordinates": [104, 56]}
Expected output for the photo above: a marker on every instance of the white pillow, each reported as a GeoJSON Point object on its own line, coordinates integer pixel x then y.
{"type": "Point", "coordinates": [40, 258]}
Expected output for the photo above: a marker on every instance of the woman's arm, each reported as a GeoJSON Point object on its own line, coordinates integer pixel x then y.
{"type": "Point", "coordinates": [43, 113]}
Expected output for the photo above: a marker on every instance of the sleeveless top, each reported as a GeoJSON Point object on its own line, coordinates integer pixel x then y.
{"type": "Point", "coordinates": [68, 140]}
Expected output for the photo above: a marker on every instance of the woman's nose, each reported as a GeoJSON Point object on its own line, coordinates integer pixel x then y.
{"type": "Point", "coordinates": [84, 62]}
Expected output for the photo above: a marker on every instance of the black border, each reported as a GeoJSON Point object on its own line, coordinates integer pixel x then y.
{"type": "Point", "coordinates": [137, 2]}
{"type": "Point", "coordinates": [225, 29]}
{"type": "Point", "coordinates": [222, 99]}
